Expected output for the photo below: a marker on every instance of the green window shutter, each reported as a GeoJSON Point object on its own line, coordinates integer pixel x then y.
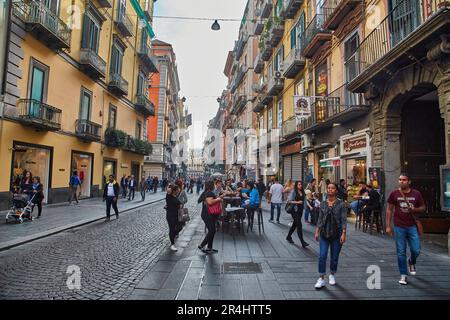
{"type": "Point", "coordinates": [293, 37]}
{"type": "Point", "coordinates": [85, 39]}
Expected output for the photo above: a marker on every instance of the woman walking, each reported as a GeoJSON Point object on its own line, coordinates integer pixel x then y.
{"type": "Point", "coordinates": [209, 199]}
{"type": "Point", "coordinates": [172, 206]}
{"type": "Point", "coordinates": [26, 185]}
{"type": "Point", "coordinates": [182, 196]}
{"type": "Point", "coordinates": [296, 202]}
{"type": "Point", "coordinates": [38, 194]}
{"type": "Point", "coordinates": [331, 233]}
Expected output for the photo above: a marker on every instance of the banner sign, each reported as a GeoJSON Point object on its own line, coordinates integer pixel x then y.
{"type": "Point", "coordinates": [302, 106]}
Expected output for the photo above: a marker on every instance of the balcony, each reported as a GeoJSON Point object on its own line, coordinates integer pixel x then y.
{"type": "Point", "coordinates": [314, 36]}
{"type": "Point", "coordinates": [276, 32]}
{"type": "Point", "coordinates": [275, 86]}
{"type": "Point", "coordinates": [240, 75]}
{"type": "Point", "coordinates": [239, 103]}
{"type": "Point", "coordinates": [123, 23]}
{"type": "Point", "coordinates": [336, 11]}
{"type": "Point", "coordinates": [157, 155]}
{"type": "Point", "coordinates": [87, 130]}
{"type": "Point", "coordinates": [143, 105]}
{"type": "Point", "coordinates": [265, 49]}
{"type": "Point", "coordinates": [293, 63]}
{"type": "Point", "coordinates": [146, 59]}
{"type": "Point", "coordinates": [290, 128]}
{"type": "Point", "coordinates": [43, 23]}
{"type": "Point", "coordinates": [259, 64]}
{"type": "Point", "coordinates": [239, 45]}
{"type": "Point", "coordinates": [92, 64]}
{"type": "Point", "coordinates": [258, 27]}
{"type": "Point", "coordinates": [118, 85]}
{"type": "Point", "coordinates": [406, 29]}
{"type": "Point", "coordinates": [39, 115]}
{"type": "Point", "coordinates": [262, 100]}
{"type": "Point", "coordinates": [291, 8]}
{"type": "Point", "coordinates": [265, 8]}
{"type": "Point", "coordinates": [338, 107]}
{"type": "Point", "coordinates": [104, 3]}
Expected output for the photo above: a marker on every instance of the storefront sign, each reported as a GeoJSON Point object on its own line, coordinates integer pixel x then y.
{"type": "Point", "coordinates": [352, 144]}
{"type": "Point", "coordinates": [290, 149]}
{"type": "Point", "coordinates": [302, 107]}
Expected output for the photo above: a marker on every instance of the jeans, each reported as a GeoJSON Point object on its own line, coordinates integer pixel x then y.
{"type": "Point", "coordinates": [131, 194]}
{"type": "Point", "coordinates": [307, 213]}
{"type": "Point", "coordinates": [272, 210]}
{"type": "Point", "coordinates": [335, 246]}
{"type": "Point", "coordinates": [110, 202]}
{"type": "Point", "coordinates": [355, 207]}
{"type": "Point", "coordinates": [402, 236]}
{"type": "Point", "coordinates": [73, 193]}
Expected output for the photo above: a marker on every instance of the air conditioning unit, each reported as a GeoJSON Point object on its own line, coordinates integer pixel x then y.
{"type": "Point", "coordinates": [306, 141]}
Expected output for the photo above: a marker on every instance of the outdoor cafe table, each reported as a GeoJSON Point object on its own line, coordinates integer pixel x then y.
{"type": "Point", "coordinates": [235, 214]}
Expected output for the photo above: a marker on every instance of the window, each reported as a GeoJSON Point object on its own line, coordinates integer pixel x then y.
{"type": "Point", "coordinates": [279, 58]}
{"type": "Point", "coordinates": [299, 30]}
{"type": "Point", "coordinates": [85, 104]}
{"type": "Point", "coordinates": [116, 59]}
{"type": "Point", "coordinates": [299, 89]}
{"type": "Point", "coordinates": [280, 114]}
{"type": "Point", "coordinates": [278, 8]}
{"type": "Point", "coordinates": [261, 124]}
{"type": "Point", "coordinates": [269, 120]}
{"type": "Point", "coordinates": [38, 83]}
{"type": "Point", "coordinates": [142, 84]}
{"type": "Point", "coordinates": [138, 129]}
{"type": "Point", "coordinates": [351, 57]}
{"type": "Point", "coordinates": [112, 117]}
{"type": "Point", "coordinates": [91, 32]}
{"type": "Point", "coordinates": [53, 5]}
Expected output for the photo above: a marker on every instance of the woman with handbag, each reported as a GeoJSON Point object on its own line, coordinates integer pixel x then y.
{"type": "Point", "coordinates": [403, 204]}
{"type": "Point", "coordinates": [294, 206]}
{"type": "Point", "coordinates": [212, 208]}
{"type": "Point", "coordinates": [182, 196]}
{"type": "Point", "coordinates": [172, 207]}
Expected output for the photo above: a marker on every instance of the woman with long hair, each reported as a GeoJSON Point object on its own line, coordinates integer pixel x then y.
{"type": "Point", "coordinates": [296, 200]}
{"type": "Point", "coordinates": [26, 185]}
{"type": "Point", "coordinates": [37, 191]}
{"type": "Point", "coordinates": [208, 198]}
{"type": "Point", "coordinates": [182, 196]}
{"type": "Point", "coordinates": [172, 206]}
{"type": "Point", "coordinates": [287, 188]}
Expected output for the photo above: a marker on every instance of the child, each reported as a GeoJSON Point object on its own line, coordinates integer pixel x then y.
{"type": "Point", "coordinates": [309, 206]}
{"type": "Point", "coordinates": [316, 209]}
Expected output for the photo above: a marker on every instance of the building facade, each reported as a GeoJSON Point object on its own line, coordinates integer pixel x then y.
{"type": "Point", "coordinates": [75, 95]}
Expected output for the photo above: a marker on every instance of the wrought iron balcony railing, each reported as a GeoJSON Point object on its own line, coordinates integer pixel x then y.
{"type": "Point", "coordinates": [293, 63]}
{"type": "Point", "coordinates": [92, 64]}
{"type": "Point", "coordinates": [104, 3]}
{"type": "Point", "coordinates": [258, 66]}
{"type": "Point", "coordinates": [240, 74]}
{"type": "Point", "coordinates": [147, 60]}
{"type": "Point", "coordinates": [276, 31]}
{"type": "Point", "coordinates": [259, 25]}
{"type": "Point", "coordinates": [314, 37]}
{"type": "Point", "coordinates": [275, 85]}
{"type": "Point", "coordinates": [291, 8]}
{"type": "Point", "coordinates": [266, 49]}
{"type": "Point", "coordinates": [43, 23]}
{"type": "Point", "coordinates": [117, 84]}
{"type": "Point", "coordinates": [336, 10]}
{"type": "Point", "coordinates": [144, 105]}
{"type": "Point", "coordinates": [265, 8]}
{"type": "Point", "coordinates": [39, 115]}
{"type": "Point", "coordinates": [88, 130]}
{"type": "Point", "coordinates": [123, 23]}
{"type": "Point", "coordinates": [289, 128]}
{"type": "Point", "coordinates": [240, 101]}
{"type": "Point", "coordinates": [338, 107]}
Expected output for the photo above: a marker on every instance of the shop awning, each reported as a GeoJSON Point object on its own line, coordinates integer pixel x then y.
{"type": "Point", "coordinates": [354, 155]}
{"type": "Point", "coordinates": [330, 162]}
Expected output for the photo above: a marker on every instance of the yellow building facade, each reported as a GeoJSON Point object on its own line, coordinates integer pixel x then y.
{"type": "Point", "coordinates": [76, 96]}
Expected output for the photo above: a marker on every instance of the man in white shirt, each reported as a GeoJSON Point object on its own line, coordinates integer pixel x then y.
{"type": "Point", "coordinates": [275, 199]}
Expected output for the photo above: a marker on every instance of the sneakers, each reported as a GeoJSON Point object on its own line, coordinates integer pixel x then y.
{"type": "Point", "coordinates": [320, 283]}
{"type": "Point", "coordinates": [403, 280]}
{"type": "Point", "coordinates": [305, 244]}
{"type": "Point", "coordinates": [211, 251]}
{"type": "Point", "coordinates": [173, 248]}
{"type": "Point", "coordinates": [107, 219]}
{"type": "Point", "coordinates": [332, 280]}
{"type": "Point", "coordinates": [289, 239]}
{"type": "Point", "coordinates": [270, 220]}
{"type": "Point", "coordinates": [278, 221]}
{"type": "Point", "coordinates": [411, 268]}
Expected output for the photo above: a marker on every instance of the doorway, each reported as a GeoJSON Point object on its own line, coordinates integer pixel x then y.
{"type": "Point", "coordinates": [423, 147]}
{"type": "Point", "coordinates": [82, 163]}
{"type": "Point", "coordinates": [109, 167]}
{"type": "Point", "coordinates": [135, 168]}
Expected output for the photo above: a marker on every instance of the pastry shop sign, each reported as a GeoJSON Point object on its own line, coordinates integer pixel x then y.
{"type": "Point", "coordinates": [355, 143]}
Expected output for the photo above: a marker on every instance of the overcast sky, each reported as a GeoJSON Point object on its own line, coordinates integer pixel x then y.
{"type": "Point", "coordinates": [201, 52]}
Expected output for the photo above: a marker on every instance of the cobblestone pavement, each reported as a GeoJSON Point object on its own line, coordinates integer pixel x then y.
{"type": "Point", "coordinates": [113, 257]}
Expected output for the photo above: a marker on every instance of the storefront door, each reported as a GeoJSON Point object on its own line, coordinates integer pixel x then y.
{"type": "Point", "coordinates": [35, 159]}
{"type": "Point", "coordinates": [135, 171]}
{"type": "Point", "coordinates": [82, 163]}
{"type": "Point", "coordinates": [109, 167]}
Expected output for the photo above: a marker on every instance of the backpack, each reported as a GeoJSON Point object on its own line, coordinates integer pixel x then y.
{"type": "Point", "coordinates": [330, 228]}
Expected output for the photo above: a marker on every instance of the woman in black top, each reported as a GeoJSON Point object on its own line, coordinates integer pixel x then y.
{"type": "Point", "coordinates": [297, 199]}
{"type": "Point", "coordinates": [38, 195]}
{"type": "Point", "coordinates": [27, 185]}
{"type": "Point", "coordinates": [172, 206]}
{"type": "Point", "coordinates": [208, 198]}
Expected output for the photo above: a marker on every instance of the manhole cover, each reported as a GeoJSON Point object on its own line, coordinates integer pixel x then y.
{"type": "Point", "coordinates": [241, 267]}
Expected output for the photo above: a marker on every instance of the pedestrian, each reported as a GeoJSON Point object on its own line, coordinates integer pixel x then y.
{"type": "Point", "coordinates": [404, 204]}
{"type": "Point", "coordinates": [143, 187]}
{"type": "Point", "coordinates": [164, 184]}
{"type": "Point", "coordinates": [199, 185]}
{"type": "Point", "coordinates": [149, 183]}
{"type": "Point", "coordinates": [309, 206]}
{"type": "Point", "coordinates": [74, 182]}
{"type": "Point", "coordinates": [287, 189]}
{"type": "Point", "coordinates": [323, 188]}
{"type": "Point", "coordinates": [342, 190]}
{"type": "Point", "coordinates": [373, 205]}
{"type": "Point", "coordinates": [358, 203]}
{"type": "Point", "coordinates": [182, 196]}
{"type": "Point", "coordinates": [38, 192]}
{"type": "Point", "coordinates": [131, 188]}
{"type": "Point", "coordinates": [296, 202]}
{"type": "Point", "coordinates": [209, 216]}
{"type": "Point", "coordinates": [123, 185]}
{"type": "Point", "coordinates": [275, 199]}
{"type": "Point", "coordinates": [172, 207]}
{"type": "Point", "coordinates": [331, 233]}
{"type": "Point", "coordinates": [155, 184]}
{"type": "Point", "coordinates": [110, 195]}
{"type": "Point", "coordinates": [26, 186]}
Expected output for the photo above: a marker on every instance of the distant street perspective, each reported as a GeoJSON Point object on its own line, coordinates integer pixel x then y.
{"type": "Point", "coordinates": [225, 150]}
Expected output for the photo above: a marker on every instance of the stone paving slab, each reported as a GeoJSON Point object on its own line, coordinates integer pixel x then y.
{"type": "Point", "coordinates": [60, 217]}
{"type": "Point", "coordinates": [290, 272]}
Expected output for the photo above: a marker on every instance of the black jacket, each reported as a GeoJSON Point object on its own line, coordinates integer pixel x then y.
{"type": "Point", "coordinates": [115, 187]}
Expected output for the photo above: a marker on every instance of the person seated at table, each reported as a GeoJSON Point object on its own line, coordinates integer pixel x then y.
{"type": "Point", "coordinates": [229, 192]}
{"type": "Point", "coordinates": [358, 203]}
{"type": "Point", "coordinates": [218, 188]}
{"type": "Point", "coordinates": [252, 201]}
{"type": "Point", "coordinates": [373, 203]}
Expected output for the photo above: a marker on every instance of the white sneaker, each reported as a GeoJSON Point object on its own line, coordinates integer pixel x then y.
{"type": "Point", "coordinates": [320, 283]}
{"type": "Point", "coordinates": [331, 280]}
{"type": "Point", "coordinates": [173, 248]}
{"type": "Point", "coordinates": [403, 280]}
{"type": "Point", "coordinates": [411, 268]}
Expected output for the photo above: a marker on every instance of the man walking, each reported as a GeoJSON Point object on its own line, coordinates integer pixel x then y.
{"type": "Point", "coordinates": [275, 199]}
{"type": "Point", "coordinates": [155, 184]}
{"type": "Point", "coordinates": [261, 188]}
{"type": "Point", "coordinates": [199, 185]}
{"type": "Point", "coordinates": [74, 183]}
{"type": "Point", "coordinates": [404, 203]}
{"type": "Point", "coordinates": [132, 188]}
{"type": "Point", "coordinates": [110, 195]}
{"type": "Point", "coordinates": [143, 185]}
{"type": "Point", "coordinates": [123, 185]}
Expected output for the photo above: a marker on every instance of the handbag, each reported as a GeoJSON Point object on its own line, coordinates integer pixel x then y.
{"type": "Point", "coordinates": [418, 223]}
{"type": "Point", "coordinates": [183, 215]}
{"type": "Point", "coordinates": [289, 208]}
{"type": "Point", "coordinates": [215, 209]}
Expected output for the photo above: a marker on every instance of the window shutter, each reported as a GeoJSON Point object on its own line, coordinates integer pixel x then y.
{"type": "Point", "coordinates": [86, 30]}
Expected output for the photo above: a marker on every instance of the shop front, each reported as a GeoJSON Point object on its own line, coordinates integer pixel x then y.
{"type": "Point", "coordinates": [109, 167]}
{"type": "Point", "coordinates": [83, 163]}
{"type": "Point", "coordinates": [355, 157]}
{"type": "Point", "coordinates": [36, 159]}
{"type": "Point", "coordinates": [292, 162]}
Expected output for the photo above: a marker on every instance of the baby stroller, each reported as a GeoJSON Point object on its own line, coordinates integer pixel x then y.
{"type": "Point", "coordinates": [21, 208]}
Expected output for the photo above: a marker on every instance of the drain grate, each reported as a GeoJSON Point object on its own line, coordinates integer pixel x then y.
{"type": "Point", "coordinates": [241, 267]}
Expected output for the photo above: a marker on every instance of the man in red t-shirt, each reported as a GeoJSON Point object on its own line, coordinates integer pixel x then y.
{"type": "Point", "coordinates": [404, 203]}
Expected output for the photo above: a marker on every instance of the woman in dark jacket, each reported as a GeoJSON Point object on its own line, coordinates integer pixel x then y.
{"type": "Point", "coordinates": [297, 199]}
{"type": "Point", "coordinates": [27, 185]}
{"type": "Point", "coordinates": [208, 198]}
{"type": "Point", "coordinates": [172, 206]}
{"type": "Point", "coordinates": [37, 191]}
